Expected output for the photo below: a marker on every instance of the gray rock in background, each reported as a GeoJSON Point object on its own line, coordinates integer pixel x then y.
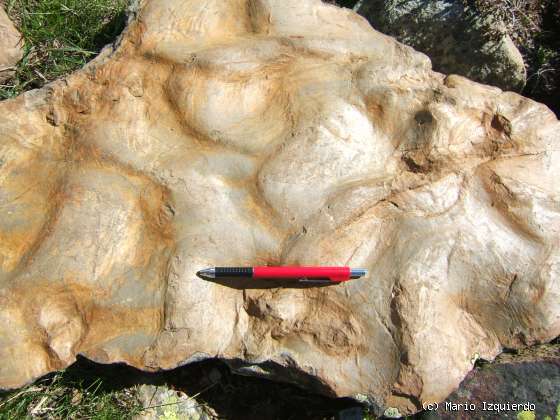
{"type": "Point", "coordinates": [457, 40]}
{"type": "Point", "coordinates": [10, 46]}
{"type": "Point", "coordinates": [531, 376]}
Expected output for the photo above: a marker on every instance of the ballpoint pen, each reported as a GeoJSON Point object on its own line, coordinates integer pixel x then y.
{"type": "Point", "coordinates": [304, 274]}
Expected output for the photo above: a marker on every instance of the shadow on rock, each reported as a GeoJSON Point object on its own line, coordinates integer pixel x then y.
{"type": "Point", "coordinates": [230, 395]}
{"type": "Point", "coordinates": [247, 283]}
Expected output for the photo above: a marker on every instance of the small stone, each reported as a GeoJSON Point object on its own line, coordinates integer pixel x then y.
{"type": "Point", "coordinates": [76, 397]}
{"type": "Point", "coordinates": [11, 46]}
{"type": "Point", "coordinates": [160, 402]}
{"type": "Point", "coordinates": [392, 413]}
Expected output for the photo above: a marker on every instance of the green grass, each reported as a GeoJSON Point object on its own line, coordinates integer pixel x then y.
{"type": "Point", "coordinates": [60, 397]}
{"type": "Point", "coordinates": [60, 36]}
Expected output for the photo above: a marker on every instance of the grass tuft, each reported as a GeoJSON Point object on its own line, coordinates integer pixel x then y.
{"type": "Point", "coordinates": [59, 37]}
{"type": "Point", "coordinates": [58, 397]}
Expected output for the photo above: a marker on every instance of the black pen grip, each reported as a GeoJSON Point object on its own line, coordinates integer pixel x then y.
{"type": "Point", "coordinates": [234, 271]}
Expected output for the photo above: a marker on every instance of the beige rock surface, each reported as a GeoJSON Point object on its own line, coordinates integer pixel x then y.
{"type": "Point", "coordinates": [247, 132]}
{"type": "Point", "coordinates": [10, 46]}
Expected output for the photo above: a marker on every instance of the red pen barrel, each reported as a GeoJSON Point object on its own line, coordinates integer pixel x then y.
{"type": "Point", "coordinates": [336, 274]}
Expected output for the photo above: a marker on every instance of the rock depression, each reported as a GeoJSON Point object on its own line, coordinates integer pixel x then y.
{"type": "Point", "coordinates": [252, 132]}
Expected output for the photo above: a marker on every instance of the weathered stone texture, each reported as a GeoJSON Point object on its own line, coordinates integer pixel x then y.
{"type": "Point", "coordinates": [247, 132]}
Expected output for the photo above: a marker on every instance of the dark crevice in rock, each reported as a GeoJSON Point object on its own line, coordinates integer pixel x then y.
{"type": "Point", "coordinates": [412, 164]}
{"type": "Point", "coordinates": [424, 117]}
{"type": "Point", "coordinates": [343, 3]}
{"type": "Point", "coordinates": [110, 31]}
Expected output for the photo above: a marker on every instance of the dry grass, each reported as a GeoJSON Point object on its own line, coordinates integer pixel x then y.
{"type": "Point", "coordinates": [58, 397]}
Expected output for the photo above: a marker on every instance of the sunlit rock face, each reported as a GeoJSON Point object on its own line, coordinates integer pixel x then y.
{"type": "Point", "coordinates": [252, 132]}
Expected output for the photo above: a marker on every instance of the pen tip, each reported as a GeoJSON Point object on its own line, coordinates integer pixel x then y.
{"type": "Point", "coordinates": [207, 273]}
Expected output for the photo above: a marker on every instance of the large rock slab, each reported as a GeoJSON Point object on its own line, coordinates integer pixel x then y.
{"type": "Point", "coordinates": [455, 37]}
{"type": "Point", "coordinates": [239, 132]}
{"type": "Point", "coordinates": [10, 46]}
